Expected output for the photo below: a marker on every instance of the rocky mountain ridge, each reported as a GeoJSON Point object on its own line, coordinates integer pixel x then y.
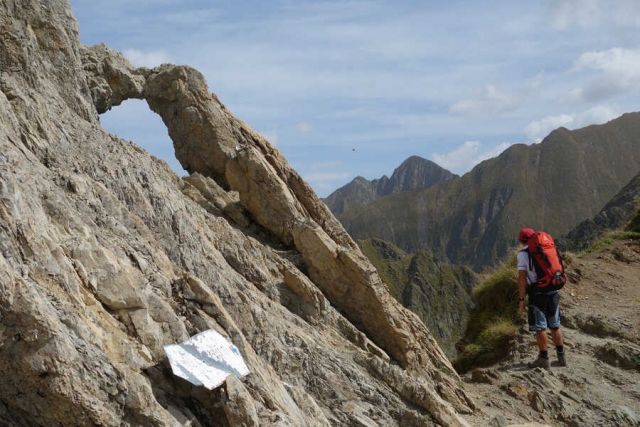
{"type": "Point", "coordinates": [106, 256]}
{"type": "Point", "coordinates": [475, 219]}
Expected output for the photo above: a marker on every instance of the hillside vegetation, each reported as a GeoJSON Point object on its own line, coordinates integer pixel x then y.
{"type": "Point", "coordinates": [493, 322]}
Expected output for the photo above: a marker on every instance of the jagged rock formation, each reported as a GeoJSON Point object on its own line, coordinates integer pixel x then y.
{"type": "Point", "coordinates": [413, 174]}
{"type": "Point", "coordinates": [614, 215]}
{"type": "Point", "coordinates": [475, 220]}
{"type": "Point", "coordinates": [106, 256]}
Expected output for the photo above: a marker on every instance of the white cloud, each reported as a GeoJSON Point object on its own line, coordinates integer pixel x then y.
{"type": "Point", "coordinates": [619, 72]}
{"type": "Point", "coordinates": [538, 130]}
{"type": "Point", "coordinates": [592, 14]}
{"type": "Point", "coordinates": [490, 99]}
{"type": "Point", "coordinates": [466, 156]}
{"type": "Point", "coordinates": [596, 115]}
{"type": "Point", "coordinates": [304, 127]}
{"type": "Point", "coordinates": [147, 59]}
{"type": "Point", "coordinates": [615, 61]}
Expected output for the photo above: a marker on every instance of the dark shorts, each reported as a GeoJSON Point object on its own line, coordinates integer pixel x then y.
{"type": "Point", "coordinates": [544, 311]}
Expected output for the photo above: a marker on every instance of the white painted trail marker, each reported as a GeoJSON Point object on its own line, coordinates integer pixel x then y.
{"type": "Point", "coordinates": [206, 359]}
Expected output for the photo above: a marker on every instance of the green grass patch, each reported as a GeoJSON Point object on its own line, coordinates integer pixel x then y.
{"type": "Point", "coordinates": [634, 224]}
{"type": "Point", "coordinates": [611, 237]}
{"type": "Point", "coordinates": [494, 321]}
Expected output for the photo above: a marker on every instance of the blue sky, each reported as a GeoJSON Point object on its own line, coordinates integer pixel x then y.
{"type": "Point", "coordinates": [352, 88]}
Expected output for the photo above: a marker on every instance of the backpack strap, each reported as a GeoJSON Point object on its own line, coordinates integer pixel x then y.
{"type": "Point", "coordinates": [529, 257]}
{"type": "Point", "coordinates": [532, 267]}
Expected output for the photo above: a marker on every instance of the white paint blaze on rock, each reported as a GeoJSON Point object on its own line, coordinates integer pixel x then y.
{"type": "Point", "coordinates": [206, 359]}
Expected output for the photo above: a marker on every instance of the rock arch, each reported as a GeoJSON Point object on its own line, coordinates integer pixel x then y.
{"type": "Point", "coordinates": [209, 140]}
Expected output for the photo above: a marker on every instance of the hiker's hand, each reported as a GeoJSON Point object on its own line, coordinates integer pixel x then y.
{"type": "Point", "coordinates": [523, 307]}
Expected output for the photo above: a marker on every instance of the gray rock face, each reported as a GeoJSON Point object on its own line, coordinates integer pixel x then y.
{"type": "Point", "coordinates": [416, 173]}
{"type": "Point", "coordinates": [106, 256]}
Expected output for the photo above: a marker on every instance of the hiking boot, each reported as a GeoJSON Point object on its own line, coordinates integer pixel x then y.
{"type": "Point", "coordinates": [540, 362]}
{"type": "Point", "coordinates": [561, 359]}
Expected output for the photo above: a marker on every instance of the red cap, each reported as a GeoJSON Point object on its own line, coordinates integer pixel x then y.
{"type": "Point", "coordinates": [525, 233]}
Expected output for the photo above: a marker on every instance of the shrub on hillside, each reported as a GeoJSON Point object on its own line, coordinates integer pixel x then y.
{"type": "Point", "coordinates": [493, 322]}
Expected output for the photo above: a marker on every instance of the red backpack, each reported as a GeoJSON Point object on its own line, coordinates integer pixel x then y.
{"type": "Point", "coordinates": [545, 259]}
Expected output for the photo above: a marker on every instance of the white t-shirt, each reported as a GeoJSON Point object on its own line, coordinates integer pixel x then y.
{"type": "Point", "coordinates": [523, 265]}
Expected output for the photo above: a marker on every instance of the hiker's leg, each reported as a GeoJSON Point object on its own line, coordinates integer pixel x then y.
{"type": "Point", "coordinates": [541, 339]}
{"type": "Point", "coordinates": [556, 336]}
{"type": "Point", "coordinates": [553, 320]}
{"type": "Point", "coordinates": [538, 323]}
{"type": "Point", "coordinates": [542, 361]}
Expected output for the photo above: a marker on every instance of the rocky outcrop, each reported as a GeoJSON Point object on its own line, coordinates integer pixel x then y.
{"type": "Point", "coordinates": [106, 256]}
{"type": "Point", "coordinates": [415, 173]}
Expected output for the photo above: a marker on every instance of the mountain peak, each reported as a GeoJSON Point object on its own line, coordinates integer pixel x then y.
{"type": "Point", "coordinates": [414, 173]}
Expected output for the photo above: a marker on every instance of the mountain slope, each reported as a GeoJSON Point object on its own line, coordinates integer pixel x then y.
{"type": "Point", "coordinates": [475, 219]}
{"type": "Point", "coordinates": [414, 173]}
{"type": "Point", "coordinates": [614, 215]}
{"type": "Point", "coordinates": [437, 292]}
{"type": "Point", "coordinates": [106, 256]}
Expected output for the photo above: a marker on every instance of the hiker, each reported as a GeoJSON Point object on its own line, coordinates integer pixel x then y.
{"type": "Point", "coordinates": [543, 310]}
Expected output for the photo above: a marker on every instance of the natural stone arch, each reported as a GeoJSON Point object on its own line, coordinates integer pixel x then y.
{"type": "Point", "coordinates": [111, 77]}
{"type": "Point", "coordinates": [212, 142]}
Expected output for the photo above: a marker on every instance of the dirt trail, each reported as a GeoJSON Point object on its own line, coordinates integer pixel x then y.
{"type": "Point", "coordinates": [600, 310]}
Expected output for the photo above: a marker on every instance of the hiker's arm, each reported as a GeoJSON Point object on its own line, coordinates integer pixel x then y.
{"type": "Point", "coordinates": [522, 287]}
